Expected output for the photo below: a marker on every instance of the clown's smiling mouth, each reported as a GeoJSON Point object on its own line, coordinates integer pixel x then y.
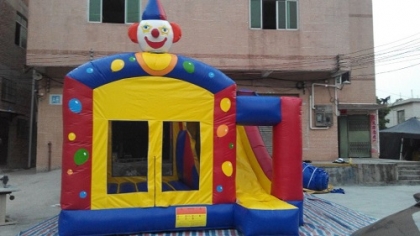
{"type": "Point", "coordinates": [155, 45]}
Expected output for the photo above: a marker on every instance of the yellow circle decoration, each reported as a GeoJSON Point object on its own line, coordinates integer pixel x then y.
{"type": "Point", "coordinates": [72, 136]}
{"type": "Point", "coordinates": [227, 168]}
{"type": "Point", "coordinates": [222, 130]}
{"type": "Point", "coordinates": [117, 65]}
{"type": "Point", "coordinates": [225, 104]}
{"type": "Point", "coordinates": [69, 171]}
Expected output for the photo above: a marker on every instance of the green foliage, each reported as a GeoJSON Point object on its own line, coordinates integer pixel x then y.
{"type": "Point", "coordinates": [382, 112]}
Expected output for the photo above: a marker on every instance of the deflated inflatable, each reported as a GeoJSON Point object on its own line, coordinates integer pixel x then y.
{"type": "Point", "coordinates": [314, 178]}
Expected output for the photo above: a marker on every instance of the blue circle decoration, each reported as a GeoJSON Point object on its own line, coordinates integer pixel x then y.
{"type": "Point", "coordinates": [83, 194]}
{"type": "Point", "coordinates": [219, 188]}
{"type": "Point", "coordinates": [211, 75]}
{"type": "Point", "coordinates": [89, 70]}
{"type": "Point", "coordinates": [75, 105]}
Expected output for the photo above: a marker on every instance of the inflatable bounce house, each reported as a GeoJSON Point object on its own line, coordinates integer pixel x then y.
{"type": "Point", "coordinates": [157, 142]}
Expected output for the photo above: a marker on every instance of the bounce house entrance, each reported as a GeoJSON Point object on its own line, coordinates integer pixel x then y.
{"type": "Point", "coordinates": [154, 158]}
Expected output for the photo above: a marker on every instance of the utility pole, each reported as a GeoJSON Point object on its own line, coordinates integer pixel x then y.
{"type": "Point", "coordinates": [35, 75]}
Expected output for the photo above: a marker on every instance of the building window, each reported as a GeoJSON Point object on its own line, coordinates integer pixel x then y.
{"type": "Point", "coordinates": [114, 11]}
{"type": "Point", "coordinates": [21, 31]}
{"type": "Point", "coordinates": [400, 116]}
{"type": "Point", "coordinates": [8, 90]}
{"type": "Point", "coordinates": [273, 14]}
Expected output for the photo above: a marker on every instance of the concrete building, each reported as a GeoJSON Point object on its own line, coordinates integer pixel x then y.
{"type": "Point", "coordinates": [15, 85]}
{"type": "Point", "coordinates": [402, 110]}
{"type": "Point", "coordinates": [319, 51]}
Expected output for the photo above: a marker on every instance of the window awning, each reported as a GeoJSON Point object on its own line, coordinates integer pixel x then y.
{"type": "Point", "coordinates": [8, 113]}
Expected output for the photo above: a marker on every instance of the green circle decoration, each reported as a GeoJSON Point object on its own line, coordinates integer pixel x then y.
{"type": "Point", "coordinates": [188, 66]}
{"type": "Point", "coordinates": [81, 156]}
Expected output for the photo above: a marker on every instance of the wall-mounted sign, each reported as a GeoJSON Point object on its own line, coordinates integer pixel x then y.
{"type": "Point", "coordinates": [374, 134]}
{"type": "Point", "coordinates": [56, 99]}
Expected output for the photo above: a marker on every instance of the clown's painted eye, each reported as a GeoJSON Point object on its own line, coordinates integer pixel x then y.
{"type": "Point", "coordinates": [164, 30]}
{"type": "Point", "coordinates": [146, 27]}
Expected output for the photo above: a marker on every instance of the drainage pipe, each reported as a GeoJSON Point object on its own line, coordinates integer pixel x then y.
{"type": "Point", "coordinates": [31, 119]}
{"type": "Point", "coordinates": [49, 155]}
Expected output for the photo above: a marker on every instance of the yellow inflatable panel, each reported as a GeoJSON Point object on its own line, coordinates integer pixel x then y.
{"type": "Point", "coordinates": [139, 101]}
{"type": "Point", "coordinates": [249, 175]}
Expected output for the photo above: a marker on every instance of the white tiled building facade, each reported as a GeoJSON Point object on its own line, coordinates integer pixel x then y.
{"type": "Point", "coordinates": [403, 110]}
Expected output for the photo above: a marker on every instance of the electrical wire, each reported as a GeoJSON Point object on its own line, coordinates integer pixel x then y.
{"type": "Point", "coordinates": [393, 53]}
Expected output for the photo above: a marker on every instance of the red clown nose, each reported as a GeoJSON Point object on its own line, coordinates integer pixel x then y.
{"type": "Point", "coordinates": [155, 33]}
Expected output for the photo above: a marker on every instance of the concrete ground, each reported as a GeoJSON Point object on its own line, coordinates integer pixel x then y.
{"type": "Point", "coordinates": [37, 200]}
{"type": "Point", "coordinates": [39, 197]}
{"type": "Point", "coordinates": [375, 201]}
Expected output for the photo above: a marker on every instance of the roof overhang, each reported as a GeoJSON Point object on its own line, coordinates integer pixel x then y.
{"type": "Point", "coordinates": [8, 113]}
{"type": "Point", "coordinates": [360, 106]}
{"type": "Point", "coordinates": [303, 75]}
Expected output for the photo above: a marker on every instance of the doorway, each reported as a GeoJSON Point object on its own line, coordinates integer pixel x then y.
{"type": "Point", "coordinates": [354, 136]}
{"type": "Point", "coordinates": [4, 140]}
{"type": "Point", "coordinates": [132, 168]}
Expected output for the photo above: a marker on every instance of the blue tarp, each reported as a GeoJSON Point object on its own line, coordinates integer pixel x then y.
{"type": "Point", "coordinates": [321, 218]}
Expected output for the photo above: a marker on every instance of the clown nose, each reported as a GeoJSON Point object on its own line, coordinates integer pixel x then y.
{"type": "Point", "coordinates": [155, 33]}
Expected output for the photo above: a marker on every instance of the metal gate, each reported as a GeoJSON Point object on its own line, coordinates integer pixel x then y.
{"type": "Point", "coordinates": [354, 136]}
{"type": "Point", "coordinates": [359, 136]}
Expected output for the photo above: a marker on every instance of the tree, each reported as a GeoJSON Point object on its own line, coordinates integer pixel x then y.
{"type": "Point", "coordinates": [382, 112]}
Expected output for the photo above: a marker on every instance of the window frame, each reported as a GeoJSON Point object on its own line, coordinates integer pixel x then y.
{"type": "Point", "coordinates": [125, 13]}
{"type": "Point", "coordinates": [21, 28]}
{"type": "Point", "coordinates": [8, 90]}
{"type": "Point", "coordinates": [287, 17]}
{"type": "Point", "coordinates": [400, 116]}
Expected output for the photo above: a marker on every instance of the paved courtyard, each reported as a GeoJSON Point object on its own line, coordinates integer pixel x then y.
{"type": "Point", "coordinates": [39, 196]}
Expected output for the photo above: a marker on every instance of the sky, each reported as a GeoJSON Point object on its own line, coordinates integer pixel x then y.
{"type": "Point", "coordinates": [397, 48]}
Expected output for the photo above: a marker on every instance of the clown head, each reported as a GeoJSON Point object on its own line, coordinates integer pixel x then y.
{"type": "Point", "coordinates": [154, 33]}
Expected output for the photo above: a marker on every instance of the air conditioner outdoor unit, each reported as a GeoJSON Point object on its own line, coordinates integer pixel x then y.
{"type": "Point", "coordinates": [323, 116]}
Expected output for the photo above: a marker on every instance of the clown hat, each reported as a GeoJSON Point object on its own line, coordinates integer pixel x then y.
{"type": "Point", "coordinates": [154, 11]}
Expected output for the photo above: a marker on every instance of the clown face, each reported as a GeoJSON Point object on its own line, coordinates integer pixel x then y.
{"type": "Point", "coordinates": [155, 35]}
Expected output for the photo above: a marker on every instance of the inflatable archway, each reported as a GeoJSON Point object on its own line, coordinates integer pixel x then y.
{"type": "Point", "coordinates": [159, 142]}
